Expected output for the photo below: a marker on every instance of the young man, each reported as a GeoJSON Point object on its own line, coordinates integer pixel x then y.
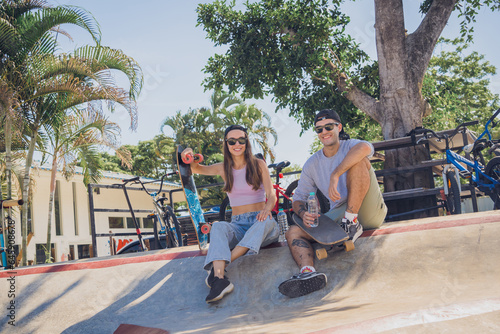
{"type": "Point", "coordinates": [342, 171]}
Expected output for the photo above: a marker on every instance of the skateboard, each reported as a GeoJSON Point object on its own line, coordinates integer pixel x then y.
{"type": "Point", "coordinates": [192, 199]}
{"type": "Point", "coordinates": [329, 236]}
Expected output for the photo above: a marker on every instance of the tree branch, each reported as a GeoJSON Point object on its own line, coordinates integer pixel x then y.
{"type": "Point", "coordinates": [360, 99]}
{"type": "Point", "coordinates": [421, 43]}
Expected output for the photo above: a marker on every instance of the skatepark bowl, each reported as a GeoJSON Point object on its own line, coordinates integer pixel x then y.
{"type": "Point", "coordinates": [433, 275]}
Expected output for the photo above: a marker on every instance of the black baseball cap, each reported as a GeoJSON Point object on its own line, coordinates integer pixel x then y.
{"type": "Point", "coordinates": [234, 127]}
{"type": "Point", "coordinates": [326, 114]}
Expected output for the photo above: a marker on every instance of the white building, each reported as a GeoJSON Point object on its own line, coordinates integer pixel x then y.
{"type": "Point", "coordinates": [71, 230]}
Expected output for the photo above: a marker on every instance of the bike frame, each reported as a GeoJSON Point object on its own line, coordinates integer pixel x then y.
{"type": "Point", "coordinates": [457, 160]}
{"type": "Point", "coordinates": [280, 191]}
{"type": "Point", "coordinates": [160, 212]}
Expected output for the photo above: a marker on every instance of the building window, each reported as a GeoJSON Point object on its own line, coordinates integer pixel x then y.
{"type": "Point", "coordinates": [40, 253]}
{"type": "Point", "coordinates": [71, 252]}
{"type": "Point", "coordinates": [84, 251]}
{"type": "Point", "coordinates": [57, 208]}
{"type": "Point", "coordinates": [148, 222]}
{"type": "Point", "coordinates": [130, 222]}
{"type": "Point", "coordinates": [75, 208]}
{"type": "Point", "coordinates": [115, 222]}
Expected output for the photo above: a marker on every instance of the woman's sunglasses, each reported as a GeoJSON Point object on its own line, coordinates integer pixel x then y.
{"type": "Point", "coordinates": [232, 141]}
{"type": "Point", "coordinates": [328, 127]}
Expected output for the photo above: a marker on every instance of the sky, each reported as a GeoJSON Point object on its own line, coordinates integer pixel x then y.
{"type": "Point", "coordinates": [162, 36]}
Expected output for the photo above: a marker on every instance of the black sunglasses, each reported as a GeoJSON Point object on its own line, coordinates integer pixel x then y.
{"type": "Point", "coordinates": [328, 127]}
{"type": "Point", "coordinates": [232, 141]}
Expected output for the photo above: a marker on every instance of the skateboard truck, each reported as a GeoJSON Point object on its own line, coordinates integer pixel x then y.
{"type": "Point", "coordinates": [321, 250]}
{"type": "Point", "coordinates": [190, 158]}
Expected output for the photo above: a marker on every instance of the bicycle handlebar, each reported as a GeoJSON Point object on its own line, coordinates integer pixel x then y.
{"type": "Point", "coordinates": [125, 181]}
{"type": "Point", "coordinates": [138, 180]}
{"type": "Point", "coordinates": [425, 131]}
{"type": "Point", "coordinates": [492, 118]}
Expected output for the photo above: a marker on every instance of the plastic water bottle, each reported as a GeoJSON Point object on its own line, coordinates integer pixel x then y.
{"type": "Point", "coordinates": [313, 207]}
{"type": "Point", "coordinates": [283, 224]}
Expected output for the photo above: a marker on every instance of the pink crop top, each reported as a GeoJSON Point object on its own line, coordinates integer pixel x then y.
{"type": "Point", "coordinates": [242, 193]}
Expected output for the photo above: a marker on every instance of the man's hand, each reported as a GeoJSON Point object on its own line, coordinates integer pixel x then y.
{"type": "Point", "coordinates": [309, 219]}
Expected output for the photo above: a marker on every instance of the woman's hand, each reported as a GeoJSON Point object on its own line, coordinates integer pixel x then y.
{"type": "Point", "coordinates": [187, 151]}
{"type": "Point", "coordinates": [263, 215]}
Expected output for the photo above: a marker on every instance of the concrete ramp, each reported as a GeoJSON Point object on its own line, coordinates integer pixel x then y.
{"type": "Point", "coordinates": [430, 275]}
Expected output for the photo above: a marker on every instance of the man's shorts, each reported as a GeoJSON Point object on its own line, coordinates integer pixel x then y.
{"type": "Point", "coordinates": [372, 211]}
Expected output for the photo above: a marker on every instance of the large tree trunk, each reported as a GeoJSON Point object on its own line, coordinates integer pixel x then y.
{"type": "Point", "coordinates": [403, 60]}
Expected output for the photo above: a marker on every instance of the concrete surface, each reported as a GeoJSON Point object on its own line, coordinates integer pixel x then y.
{"type": "Point", "coordinates": [433, 275]}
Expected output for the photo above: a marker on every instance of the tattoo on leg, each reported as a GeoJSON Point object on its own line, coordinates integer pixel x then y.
{"type": "Point", "coordinates": [349, 209]}
{"type": "Point", "coordinates": [300, 243]}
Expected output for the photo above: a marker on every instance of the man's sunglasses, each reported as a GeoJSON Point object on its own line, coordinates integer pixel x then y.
{"type": "Point", "coordinates": [232, 141]}
{"type": "Point", "coordinates": [328, 127]}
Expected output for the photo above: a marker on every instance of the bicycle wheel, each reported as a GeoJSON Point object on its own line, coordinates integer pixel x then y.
{"type": "Point", "coordinates": [225, 206]}
{"type": "Point", "coordinates": [453, 202]}
{"type": "Point", "coordinates": [493, 170]}
{"type": "Point", "coordinates": [324, 203]}
{"type": "Point", "coordinates": [173, 230]}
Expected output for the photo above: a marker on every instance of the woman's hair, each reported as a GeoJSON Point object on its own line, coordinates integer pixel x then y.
{"type": "Point", "coordinates": [253, 175]}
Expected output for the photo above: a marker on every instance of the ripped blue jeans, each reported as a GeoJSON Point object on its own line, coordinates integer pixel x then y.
{"type": "Point", "coordinates": [244, 230]}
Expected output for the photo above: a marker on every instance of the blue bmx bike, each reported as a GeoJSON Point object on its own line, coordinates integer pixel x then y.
{"type": "Point", "coordinates": [484, 176]}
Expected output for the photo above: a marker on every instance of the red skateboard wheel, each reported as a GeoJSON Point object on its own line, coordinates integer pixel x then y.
{"type": "Point", "coordinates": [205, 229]}
{"type": "Point", "coordinates": [190, 158]}
{"type": "Point", "coordinates": [198, 157]}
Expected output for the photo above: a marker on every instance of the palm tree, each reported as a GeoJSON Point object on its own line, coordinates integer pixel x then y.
{"type": "Point", "coordinates": [209, 124]}
{"type": "Point", "coordinates": [54, 83]}
{"type": "Point", "coordinates": [203, 129]}
{"type": "Point", "coordinates": [84, 76]}
{"type": "Point", "coordinates": [24, 32]}
{"type": "Point", "coordinates": [75, 137]}
{"type": "Point", "coordinates": [258, 124]}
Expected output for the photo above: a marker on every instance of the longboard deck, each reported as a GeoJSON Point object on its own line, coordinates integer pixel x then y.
{"type": "Point", "coordinates": [194, 206]}
{"type": "Point", "coordinates": [328, 232]}
{"type": "Point", "coordinates": [329, 235]}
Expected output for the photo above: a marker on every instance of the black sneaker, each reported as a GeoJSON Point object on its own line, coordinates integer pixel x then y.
{"type": "Point", "coordinates": [354, 230]}
{"type": "Point", "coordinates": [210, 278]}
{"type": "Point", "coordinates": [220, 288]}
{"type": "Point", "coordinates": [303, 284]}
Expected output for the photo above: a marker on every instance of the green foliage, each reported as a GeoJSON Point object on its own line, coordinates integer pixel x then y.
{"type": "Point", "coordinates": [456, 86]}
{"type": "Point", "coordinates": [149, 158]}
{"type": "Point", "coordinates": [467, 11]}
{"type": "Point", "coordinates": [281, 48]}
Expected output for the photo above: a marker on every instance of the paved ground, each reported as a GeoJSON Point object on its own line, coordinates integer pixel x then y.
{"type": "Point", "coordinates": [426, 276]}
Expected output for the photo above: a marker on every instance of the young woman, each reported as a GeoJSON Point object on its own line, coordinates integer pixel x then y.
{"type": "Point", "coordinates": [248, 184]}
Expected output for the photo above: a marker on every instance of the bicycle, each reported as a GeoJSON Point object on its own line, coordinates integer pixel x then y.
{"type": "Point", "coordinates": [485, 179]}
{"type": "Point", "coordinates": [281, 193]}
{"type": "Point", "coordinates": [163, 214]}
